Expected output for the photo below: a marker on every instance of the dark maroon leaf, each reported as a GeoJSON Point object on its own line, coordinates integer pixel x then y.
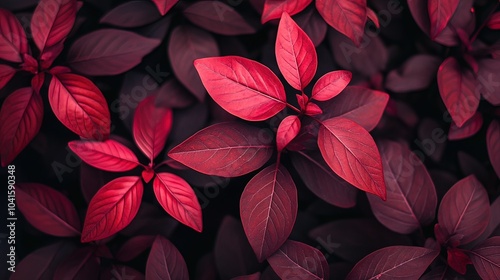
{"type": "Point", "coordinates": [134, 247]}
{"type": "Point", "coordinates": [312, 23]}
{"type": "Point", "coordinates": [82, 264]}
{"type": "Point", "coordinates": [468, 129]}
{"type": "Point", "coordinates": [165, 261]}
{"type": "Point", "coordinates": [486, 258]}
{"type": "Point", "coordinates": [493, 145]}
{"type": "Point", "coordinates": [415, 74]}
{"type": "Point", "coordinates": [13, 43]}
{"type": "Point", "coordinates": [132, 14]}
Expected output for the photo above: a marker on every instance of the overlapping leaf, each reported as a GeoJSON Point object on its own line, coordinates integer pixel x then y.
{"type": "Point", "coordinates": [13, 43]}
{"type": "Point", "coordinates": [273, 9]}
{"type": "Point", "coordinates": [165, 261]}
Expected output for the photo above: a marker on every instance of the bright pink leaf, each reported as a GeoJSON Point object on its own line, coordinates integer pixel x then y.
{"type": "Point", "coordinates": [48, 210]}
{"type": "Point", "coordinates": [112, 208]}
{"type": "Point", "coordinates": [312, 109]}
{"type": "Point", "coordinates": [312, 24]}
{"type": "Point", "coordinates": [13, 43]}
{"type": "Point", "coordinates": [273, 9]}
{"type": "Point", "coordinates": [108, 155]}
{"type": "Point", "coordinates": [440, 13]}
{"type": "Point", "coordinates": [131, 14]}
{"type": "Point", "coordinates": [165, 5]}
{"type": "Point", "coordinates": [351, 153]}
{"type": "Point", "coordinates": [468, 129]}
{"type": "Point", "coordinates": [52, 21]}
{"type": "Point", "coordinates": [493, 145]}
{"type": "Point", "coordinates": [20, 120]}
{"type": "Point", "coordinates": [178, 199]}
{"type": "Point", "coordinates": [372, 16]}
{"type": "Point", "coordinates": [462, 214]}
{"type": "Point", "coordinates": [347, 17]}
{"type": "Point", "coordinates": [225, 149]}
{"type": "Point", "coordinates": [287, 130]}
{"type": "Point", "coordinates": [417, 73]}
{"type": "Point", "coordinates": [80, 106]}
{"type": "Point", "coordinates": [295, 53]}
{"type": "Point", "coordinates": [218, 17]}
{"type": "Point", "coordinates": [108, 52]}
{"type": "Point", "coordinates": [81, 264]}
{"type": "Point", "coordinates": [151, 127]}
{"type": "Point", "coordinates": [296, 259]}
{"type": "Point", "coordinates": [486, 258]}
{"type": "Point", "coordinates": [134, 247]}
{"type": "Point", "coordinates": [494, 21]}
{"type": "Point", "coordinates": [268, 209]}
{"type": "Point", "coordinates": [411, 197]}
{"type": "Point", "coordinates": [331, 84]}
{"type": "Point", "coordinates": [243, 87]}
{"type": "Point", "coordinates": [165, 262]}
{"type": "Point", "coordinates": [457, 87]}
{"type": "Point", "coordinates": [395, 262]}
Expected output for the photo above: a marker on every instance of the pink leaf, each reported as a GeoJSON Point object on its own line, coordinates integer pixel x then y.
{"type": "Point", "coordinates": [178, 199]}
{"type": "Point", "coordinates": [165, 5]}
{"type": "Point", "coordinates": [225, 149]}
{"type": "Point", "coordinates": [20, 120]}
{"type": "Point", "coordinates": [462, 214]}
{"type": "Point", "coordinates": [468, 129]}
{"type": "Point", "coordinates": [112, 208]}
{"type": "Point", "coordinates": [108, 155]}
{"type": "Point", "coordinates": [80, 106]}
{"type": "Point", "coordinates": [287, 130]}
{"type": "Point", "coordinates": [273, 9]}
{"type": "Point", "coordinates": [440, 13]}
{"type": "Point", "coordinates": [186, 45]}
{"type": "Point", "coordinates": [417, 73]}
{"type": "Point", "coordinates": [151, 127]}
{"type": "Point", "coordinates": [347, 17]}
{"type": "Point", "coordinates": [147, 174]}
{"type": "Point", "coordinates": [6, 73]}
{"type": "Point", "coordinates": [486, 258]}
{"type": "Point", "coordinates": [457, 87]}
{"type": "Point", "coordinates": [312, 109]}
{"type": "Point", "coordinates": [331, 84]}
{"type": "Point", "coordinates": [372, 16]}
{"type": "Point", "coordinates": [268, 209]}
{"type": "Point", "coordinates": [131, 14]}
{"type": "Point", "coordinates": [243, 87]}
{"type": "Point", "coordinates": [13, 43]}
{"type": "Point", "coordinates": [165, 262]}
{"type": "Point", "coordinates": [108, 52]}
{"type": "Point", "coordinates": [296, 259]}
{"type": "Point", "coordinates": [295, 53]}
{"type": "Point", "coordinates": [493, 145]}
{"type": "Point", "coordinates": [411, 197]}
{"type": "Point", "coordinates": [352, 154]}
{"type": "Point", "coordinates": [133, 247]}
{"type": "Point", "coordinates": [48, 210]}
{"type": "Point", "coordinates": [401, 262]}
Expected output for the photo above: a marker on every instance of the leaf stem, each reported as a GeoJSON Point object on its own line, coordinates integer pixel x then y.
{"type": "Point", "coordinates": [490, 13]}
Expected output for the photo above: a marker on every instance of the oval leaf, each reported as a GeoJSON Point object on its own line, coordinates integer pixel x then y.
{"type": "Point", "coordinates": [13, 43]}
{"type": "Point", "coordinates": [313, 25]}
{"type": "Point", "coordinates": [131, 14]}
{"type": "Point", "coordinates": [243, 87]}
{"type": "Point", "coordinates": [268, 209]}
{"type": "Point", "coordinates": [440, 13]}
{"type": "Point", "coordinates": [287, 130]}
{"type": "Point", "coordinates": [351, 153]}
{"type": "Point", "coordinates": [331, 84]}
{"type": "Point", "coordinates": [165, 262]}
{"type": "Point", "coordinates": [493, 145]}
{"type": "Point", "coordinates": [273, 9]}
{"type": "Point", "coordinates": [225, 149]}
{"type": "Point", "coordinates": [112, 208]}
{"type": "Point", "coordinates": [486, 258]}
{"type": "Point", "coordinates": [470, 128]}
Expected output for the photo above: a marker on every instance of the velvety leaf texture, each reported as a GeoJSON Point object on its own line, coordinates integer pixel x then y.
{"type": "Point", "coordinates": [165, 262]}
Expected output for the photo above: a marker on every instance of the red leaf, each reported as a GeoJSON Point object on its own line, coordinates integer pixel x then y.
{"type": "Point", "coordinates": [131, 14]}
{"type": "Point", "coordinates": [320, 179]}
{"type": "Point", "coordinates": [330, 85]}
{"type": "Point", "coordinates": [112, 208]}
{"type": "Point", "coordinates": [493, 145]}
{"type": "Point", "coordinates": [362, 105]}
{"type": "Point", "coordinates": [218, 17]}
{"type": "Point", "coordinates": [457, 87]}
{"type": "Point", "coordinates": [401, 262]}
{"type": "Point", "coordinates": [147, 174]}
{"type": "Point", "coordinates": [417, 73]}
{"type": "Point", "coordinates": [165, 262]}
{"type": "Point", "coordinates": [80, 106]}
{"type": "Point", "coordinates": [295, 53]}
{"type": "Point", "coordinates": [372, 16]}
{"type": "Point", "coordinates": [458, 260]}
{"type": "Point", "coordinates": [225, 149]}
{"type": "Point", "coordinates": [81, 264]}
{"type": "Point", "coordinates": [273, 9]}
{"type": "Point", "coordinates": [243, 87]}
{"type": "Point", "coordinates": [20, 120]}
{"type": "Point", "coordinates": [468, 129]}
{"type": "Point", "coordinates": [299, 260]}
{"type": "Point", "coordinates": [178, 199]}
{"type": "Point", "coordinates": [351, 153]}
{"type": "Point", "coordinates": [486, 258]}
{"type": "Point", "coordinates": [151, 127]}
{"type": "Point", "coordinates": [411, 197]}
{"type": "Point", "coordinates": [186, 45]}
{"type": "Point", "coordinates": [312, 24]}
{"type": "Point", "coordinates": [48, 210]}
{"type": "Point", "coordinates": [494, 21]}
{"type": "Point", "coordinates": [109, 52]}
{"type": "Point", "coordinates": [268, 209]}
{"type": "Point", "coordinates": [440, 13]}
{"type": "Point", "coordinates": [165, 5]}
{"type": "Point", "coordinates": [462, 213]}
{"type": "Point", "coordinates": [312, 109]}
{"type": "Point", "coordinates": [6, 73]}
{"type": "Point", "coordinates": [133, 247]}
{"type": "Point", "coordinates": [52, 21]}
{"type": "Point", "coordinates": [347, 17]}
{"type": "Point", "coordinates": [37, 82]}
{"type": "Point", "coordinates": [13, 43]}
{"type": "Point", "coordinates": [109, 155]}
{"type": "Point", "coordinates": [287, 130]}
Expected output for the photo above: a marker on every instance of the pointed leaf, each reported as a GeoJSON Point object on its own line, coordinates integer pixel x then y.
{"type": "Point", "coordinates": [351, 153]}
{"type": "Point", "coordinates": [470, 128]}
{"type": "Point", "coordinates": [372, 16]}
{"type": "Point", "coordinates": [48, 210]}
{"type": "Point", "coordinates": [131, 14]}
{"type": "Point", "coordinates": [493, 145]}
{"type": "Point", "coordinates": [312, 24]}
{"type": "Point", "coordinates": [80, 106]}
{"type": "Point", "coordinates": [268, 209]}
{"type": "Point", "coordinates": [165, 262]}
{"type": "Point", "coordinates": [273, 9]}
{"type": "Point", "coordinates": [112, 208]}
{"type": "Point", "coordinates": [165, 5]}
{"type": "Point", "coordinates": [494, 21]}
{"type": "Point", "coordinates": [331, 84]}
{"type": "Point", "coordinates": [243, 87]}
{"type": "Point", "coordinates": [225, 149]}
{"type": "Point", "coordinates": [486, 258]}
{"type": "Point", "coordinates": [440, 13]}
{"type": "Point", "coordinates": [13, 43]}
{"type": "Point", "coordinates": [20, 120]}
{"type": "Point", "coordinates": [287, 130]}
